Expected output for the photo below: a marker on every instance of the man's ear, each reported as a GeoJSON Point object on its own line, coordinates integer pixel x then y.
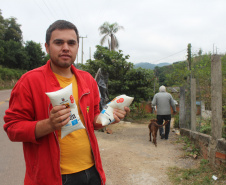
{"type": "Point", "coordinates": [47, 48]}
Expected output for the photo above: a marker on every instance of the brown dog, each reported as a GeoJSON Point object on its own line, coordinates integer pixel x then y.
{"type": "Point", "coordinates": [153, 129]}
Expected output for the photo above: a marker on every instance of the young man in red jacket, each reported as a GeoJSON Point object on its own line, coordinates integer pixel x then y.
{"type": "Point", "coordinates": [50, 160]}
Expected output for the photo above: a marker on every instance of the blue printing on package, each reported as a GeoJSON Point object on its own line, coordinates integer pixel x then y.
{"type": "Point", "coordinates": [74, 122]}
{"type": "Point", "coordinates": [103, 111]}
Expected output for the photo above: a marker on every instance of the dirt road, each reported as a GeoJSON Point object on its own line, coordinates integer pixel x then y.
{"type": "Point", "coordinates": [129, 158]}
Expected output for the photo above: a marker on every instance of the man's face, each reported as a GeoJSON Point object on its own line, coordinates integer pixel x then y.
{"type": "Point", "coordinates": [62, 48]}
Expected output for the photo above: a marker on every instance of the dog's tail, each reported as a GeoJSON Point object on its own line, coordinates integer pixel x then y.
{"type": "Point", "coordinates": [166, 122]}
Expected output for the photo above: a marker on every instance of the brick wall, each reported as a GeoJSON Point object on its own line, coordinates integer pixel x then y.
{"type": "Point", "coordinates": [220, 156]}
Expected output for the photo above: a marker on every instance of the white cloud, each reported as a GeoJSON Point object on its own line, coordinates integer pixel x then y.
{"type": "Point", "coordinates": [154, 29]}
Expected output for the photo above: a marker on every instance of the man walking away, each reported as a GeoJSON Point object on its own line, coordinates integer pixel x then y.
{"type": "Point", "coordinates": [164, 101]}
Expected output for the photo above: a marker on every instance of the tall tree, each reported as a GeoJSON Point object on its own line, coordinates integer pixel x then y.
{"type": "Point", "coordinates": [109, 30]}
{"type": "Point", "coordinates": [176, 74]}
{"type": "Point", "coordinates": [35, 54]}
{"type": "Point", "coordinates": [12, 30]}
{"type": "Point", "coordinates": [189, 57]}
{"type": "Point", "coordinates": [2, 43]}
{"type": "Point", "coordinates": [15, 55]}
{"type": "Point", "coordinates": [2, 26]}
{"type": "Point", "coordinates": [123, 78]}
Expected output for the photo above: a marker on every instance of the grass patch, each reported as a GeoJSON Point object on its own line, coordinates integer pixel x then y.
{"type": "Point", "coordinates": [198, 176]}
{"type": "Point", "coordinates": [190, 149]}
{"type": "Point", "coordinates": [7, 84]}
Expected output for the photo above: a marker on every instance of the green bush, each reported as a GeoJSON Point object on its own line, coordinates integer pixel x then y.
{"type": "Point", "coordinates": [138, 112]}
{"type": "Point", "coordinates": [224, 132]}
{"type": "Point", "coordinates": [9, 74]}
{"type": "Point", "coordinates": [206, 129]}
{"type": "Point", "coordinates": [176, 121]}
{"type": "Point", "coordinates": [8, 77]}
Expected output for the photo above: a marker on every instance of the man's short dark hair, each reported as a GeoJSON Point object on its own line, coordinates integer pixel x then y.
{"type": "Point", "coordinates": [60, 25]}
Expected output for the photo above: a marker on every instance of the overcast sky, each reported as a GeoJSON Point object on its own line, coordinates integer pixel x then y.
{"type": "Point", "coordinates": [155, 31]}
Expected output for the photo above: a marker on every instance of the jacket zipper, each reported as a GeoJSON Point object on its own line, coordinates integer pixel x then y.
{"type": "Point", "coordinates": [89, 136]}
{"type": "Point", "coordinates": [57, 143]}
{"type": "Point", "coordinates": [59, 150]}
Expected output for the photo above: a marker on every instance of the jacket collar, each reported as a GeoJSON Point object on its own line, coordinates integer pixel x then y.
{"type": "Point", "coordinates": [82, 85]}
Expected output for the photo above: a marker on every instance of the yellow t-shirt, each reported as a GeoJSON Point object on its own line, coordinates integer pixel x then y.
{"type": "Point", "coordinates": [75, 150]}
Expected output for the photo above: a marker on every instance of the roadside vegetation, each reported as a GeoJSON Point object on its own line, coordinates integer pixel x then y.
{"type": "Point", "coordinates": [9, 77]}
{"type": "Point", "coordinates": [204, 174]}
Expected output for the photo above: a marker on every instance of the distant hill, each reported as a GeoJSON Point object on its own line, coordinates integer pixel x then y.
{"type": "Point", "coordinates": [147, 65]}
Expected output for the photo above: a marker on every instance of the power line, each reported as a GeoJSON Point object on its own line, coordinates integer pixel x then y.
{"type": "Point", "coordinates": [67, 15]}
{"type": "Point", "coordinates": [169, 55]}
{"type": "Point", "coordinates": [47, 15]}
{"type": "Point", "coordinates": [48, 9]}
{"type": "Point", "coordinates": [65, 4]}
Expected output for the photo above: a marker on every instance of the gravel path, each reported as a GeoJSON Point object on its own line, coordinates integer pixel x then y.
{"type": "Point", "coordinates": [129, 158]}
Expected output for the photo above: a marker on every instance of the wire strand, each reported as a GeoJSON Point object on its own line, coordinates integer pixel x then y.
{"type": "Point", "coordinates": [169, 56]}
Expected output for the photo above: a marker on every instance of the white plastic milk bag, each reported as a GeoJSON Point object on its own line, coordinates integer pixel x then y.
{"type": "Point", "coordinates": [106, 116]}
{"type": "Point", "coordinates": [65, 97]}
{"type": "Point", "coordinates": [121, 101]}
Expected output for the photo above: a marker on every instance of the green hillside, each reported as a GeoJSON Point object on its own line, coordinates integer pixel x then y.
{"type": "Point", "coordinates": [147, 65]}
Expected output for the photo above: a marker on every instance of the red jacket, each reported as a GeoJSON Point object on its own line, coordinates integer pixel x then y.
{"type": "Point", "coordinates": [29, 104]}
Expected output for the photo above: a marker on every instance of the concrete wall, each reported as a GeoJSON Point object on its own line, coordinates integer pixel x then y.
{"type": "Point", "coordinates": [203, 142]}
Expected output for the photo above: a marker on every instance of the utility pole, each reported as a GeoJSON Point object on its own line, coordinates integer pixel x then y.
{"type": "Point", "coordinates": [213, 49]}
{"type": "Point", "coordinates": [82, 48]}
{"type": "Point", "coordinates": [216, 50]}
{"type": "Point", "coordinates": [90, 53]}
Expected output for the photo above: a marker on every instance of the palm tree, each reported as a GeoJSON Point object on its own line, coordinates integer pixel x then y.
{"type": "Point", "coordinates": [109, 30]}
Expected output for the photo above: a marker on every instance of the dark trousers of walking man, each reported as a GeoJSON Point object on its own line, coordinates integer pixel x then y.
{"type": "Point", "coordinates": [161, 119]}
